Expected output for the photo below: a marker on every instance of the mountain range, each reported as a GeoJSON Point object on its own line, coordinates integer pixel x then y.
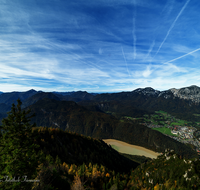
{"type": "Point", "coordinates": [71, 126]}
{"type": "Point", "coordinates": [99, 115]}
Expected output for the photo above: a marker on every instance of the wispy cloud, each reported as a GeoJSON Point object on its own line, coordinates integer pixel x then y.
{"type": "Point", "coordinates": [171, 27]}
{"type": "Point", "coordinates": [134, 39]}
{"type": "Point", "coordinates": [99, 45]}
{"type": "Point", "coordinates": [150, 50]}
{"type": "Point", "coordinates": [125, 61]}
{"type": "Point", "coordinates": [134, 32]}
{"type": "Point", "coordinates": [183, 56]}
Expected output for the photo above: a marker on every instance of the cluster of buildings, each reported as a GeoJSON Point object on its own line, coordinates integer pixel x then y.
{"type": "Point", "coordinates": [184, 134]}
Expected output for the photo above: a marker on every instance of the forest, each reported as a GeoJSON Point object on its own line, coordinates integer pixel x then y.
{"type": "Point", "coordinates": [76, 161]}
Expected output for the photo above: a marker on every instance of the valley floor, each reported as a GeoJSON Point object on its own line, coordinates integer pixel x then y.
{"type": "Point", "coordinates": [126, 148]}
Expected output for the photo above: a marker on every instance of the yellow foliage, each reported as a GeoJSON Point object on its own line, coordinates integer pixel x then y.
{"type": "Point", "coordinates": [102, 169]}
{"type": "Point", "coordinates": [168, 184]}
{"type": "Point", "coordinates": [94, 172]}
{"type": "Point", "coordinates": [156, 187]}
{"type": "Point", "coordinates": [77, 185]}
{"type": "Point", "coordinates": [90, 165]}
{"type": "Point", "coordinates": [98, 173]}
{"type": "Point", "coordinates": [66, 166]}
{"type": "Point", "coordinates": [70, 171]}
{"type": "Point", "coordinates": [87, 173]}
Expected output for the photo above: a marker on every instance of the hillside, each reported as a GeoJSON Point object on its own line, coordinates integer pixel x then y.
{"type": "Point", "coordinates": [69, 116]}
{"type": "Point", "coordinates": [75, 161]}
{"type": "Point", "coordinates": [73, 148]}
{"type": "Point", "coordinates": [76, 153]}
{"type": "Point", "coordinates": [66, 160]}
{"type": "Point", "coordinates": [168, 171]}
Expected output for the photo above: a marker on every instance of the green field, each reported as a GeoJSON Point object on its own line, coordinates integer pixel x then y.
{"type": "Point", "coordinates": [115, 147]}
{"type": "Point", "coordinates": [181, 122]}
{"type": "Point", "coordinates": [164, 130]}
{"type": "Point", "coordinates": [161, 112]}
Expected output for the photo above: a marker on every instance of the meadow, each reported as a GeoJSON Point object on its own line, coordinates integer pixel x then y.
{"type": "Point", "coordinates": [130, 149]}
{"type": "Point", "coordinates": [164, 130]}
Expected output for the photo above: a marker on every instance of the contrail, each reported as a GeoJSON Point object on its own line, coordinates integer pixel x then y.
{"type": "Point", "coordinates": [172, 26]}
{"type": "Point", "coordinates": [150, 50]}
{"type": "Point", "coordinates": [134, 40]}
{"type": "Point", "coordinates": [182, 56]}
{"type": "Point", "coordinates": [125, 61]}
{"type": "Point", "coordinates": [134, 35]}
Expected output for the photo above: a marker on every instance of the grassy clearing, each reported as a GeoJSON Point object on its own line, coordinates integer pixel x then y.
{"type": "Point", "coordinates": [162, 112]}
{"type": "Point", "coordinates": [126, 148]}
{"type": "Point", "coordinates": [164, 130]}
{"type": "Point", "coordinates": [181, 122]}
{"type": "Point", "coordinates": [115, 147]}
{"type": "Point", "coordinates": [129, 117]}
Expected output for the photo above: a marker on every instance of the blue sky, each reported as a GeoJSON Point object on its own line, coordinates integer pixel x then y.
{"type": "Point", "coordinates": [100, 45]}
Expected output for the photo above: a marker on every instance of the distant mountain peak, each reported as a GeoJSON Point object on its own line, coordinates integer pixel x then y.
{"type": "Point", "coordinates": [189, 93]}
{"type": "Point", "coordinates": [32, 90]}
{"type": "Point", "coordinates": [147, 91]}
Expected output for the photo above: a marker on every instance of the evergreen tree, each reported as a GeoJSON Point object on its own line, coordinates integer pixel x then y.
{"type": "Point", "coordinates": [18, 158]}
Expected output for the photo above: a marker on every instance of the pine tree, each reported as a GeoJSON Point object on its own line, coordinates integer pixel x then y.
{"type": "Point", "coordinates": [18, 158]}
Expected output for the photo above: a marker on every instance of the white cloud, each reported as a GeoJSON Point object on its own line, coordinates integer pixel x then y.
{"type": "Point", "coordinates": [147, 72]}
{"type": "Point", "coordinates": [181, 48]}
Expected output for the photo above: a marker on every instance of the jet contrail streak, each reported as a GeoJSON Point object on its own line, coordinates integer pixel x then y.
{"type": "Point", "coordinates": [182, 56]}
{"type": "Point", "coordinates": [134, 40]}
{"type": "Point", "coordinates": [172, 26]}
{"type": "Point", "coordinates": [133, 32]}
{"type": "Point", "coordinates": [125, 61]}
{"type": "Point", "coordinates": [150, 50]}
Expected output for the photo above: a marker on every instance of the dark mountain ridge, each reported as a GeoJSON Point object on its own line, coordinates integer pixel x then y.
{"type": "Point", "coordinates": [11, 97]}
{"type": "Point", "coordinates": [182, 103]}
{"type": "Point", "coordinates": [38, 96]}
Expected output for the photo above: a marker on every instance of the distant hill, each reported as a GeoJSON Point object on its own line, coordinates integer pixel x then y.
{"type": "Point", "coordinates": [119, 108]}
{"type": "Point", "coordinates": [182, 103]}
{"type": "Point", "coordinates": [150, 100]}
{"type": "Point", "coordinates": [11, 97]}
{"type": "Point", "coordinates": [38, 96]}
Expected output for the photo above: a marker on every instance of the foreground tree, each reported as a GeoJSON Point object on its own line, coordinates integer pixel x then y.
{"type": "Point", "coordinates": [18, 159]}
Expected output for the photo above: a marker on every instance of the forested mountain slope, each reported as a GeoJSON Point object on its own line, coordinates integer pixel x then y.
{"type": "Point", "coordinates": [69, 116]}
{"type": "Point", "coordinates": [57, 159]}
